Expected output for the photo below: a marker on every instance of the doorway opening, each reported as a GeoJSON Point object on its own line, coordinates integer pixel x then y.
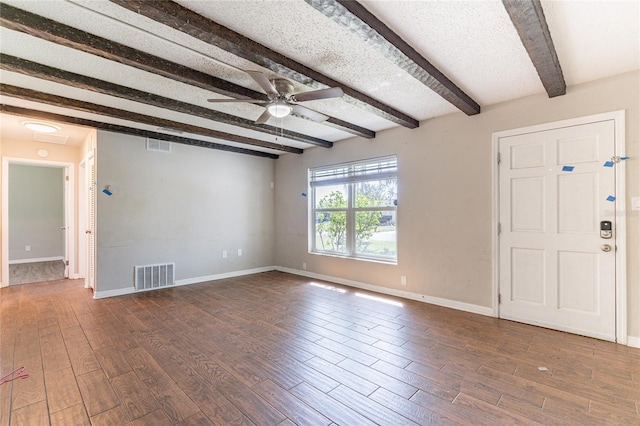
{"type": "Point", "coordinates": [38, 221]}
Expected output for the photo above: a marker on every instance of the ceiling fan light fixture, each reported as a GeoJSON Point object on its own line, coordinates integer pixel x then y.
{"type": "Point", "coordinates": [279, 109]}
{"type": "Point", "coordinates": [40, 127]}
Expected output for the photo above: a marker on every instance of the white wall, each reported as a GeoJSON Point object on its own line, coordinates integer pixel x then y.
{"type": "Point", "coordinates": [186, 207]}
{"type": "Point", "coordinates": [36, 212]}
{"type": "Point", "coordinates": [445, 198]}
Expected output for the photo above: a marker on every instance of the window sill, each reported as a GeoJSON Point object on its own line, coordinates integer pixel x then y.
{"type": "Point", "coordinates": [364, 259]}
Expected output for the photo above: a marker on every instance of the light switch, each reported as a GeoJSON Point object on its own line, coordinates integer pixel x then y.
{"type": "Point", "coordinates": [635, 203]}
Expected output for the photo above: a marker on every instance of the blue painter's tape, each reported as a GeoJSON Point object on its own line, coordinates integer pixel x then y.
{"type": "Point", "coordinates": [624, 158]}
{"type": "Point", "coordinates": [611, 198]}
{"type": "Point", "coordinates": [567, 168]}
{"type": "Point", "coordinates": [304, 194]}
{"type": "Point", "coordinates": [608, 164]}
{"type": "Point", "coordinates": [106, 191]}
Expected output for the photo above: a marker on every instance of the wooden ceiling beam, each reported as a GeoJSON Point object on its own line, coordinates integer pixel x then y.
{"type": "Point", "coordinates": [355, 17]}
{"type": "Point", "coordinates": [528, 19]}
{"type": "Point", "coordinates": [49, 116]}
{"type": "Point", "coordinates": [182, 19]}
{"type": "Point", "coordinates": [62, 102]}
{"type": "Point", "coordinates": [33, 69]}
{"type": "Point", "coordinates": [47, 29]}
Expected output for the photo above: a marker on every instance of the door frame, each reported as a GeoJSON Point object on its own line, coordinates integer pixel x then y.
{"type": "Point", "coordinates": [618, 118]}
{"type": "Point", "coordinates": [86, 191]}
{"type": "Point", "coordinates": [69, 207]}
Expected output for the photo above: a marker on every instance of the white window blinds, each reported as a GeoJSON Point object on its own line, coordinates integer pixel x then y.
{"type": "Point", "coordinates": [356, 171]}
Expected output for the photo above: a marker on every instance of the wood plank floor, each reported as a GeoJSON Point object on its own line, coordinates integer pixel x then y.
{"type": "Point", "coordinates": [277, 349]}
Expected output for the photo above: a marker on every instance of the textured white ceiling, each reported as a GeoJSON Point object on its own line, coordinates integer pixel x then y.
{"type": "Point", "coordinates": [595, 39]}
{"type": "Point", "coordinates": [472, 42]}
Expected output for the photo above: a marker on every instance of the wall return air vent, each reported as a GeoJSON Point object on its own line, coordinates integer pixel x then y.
{"type": "Point", "coordinates": [148, 277]}
{"type": "Point", "coordinates": [158, 145]}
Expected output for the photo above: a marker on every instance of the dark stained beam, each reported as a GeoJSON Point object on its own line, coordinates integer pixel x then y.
{"type": "Point", "coordinates": [59, 101]}
{"type": "Point", "coordinates": [182, 19]}
{"type": "Point", "coordinates": [528, 18]}
{"type": "Point", "coordinates": [33, 69]}
{"type": "Point", "coordinates": [32, 113]}
{"type": "Point", "coordinates": [355, 17]}
{"type": "Point", "coordinates": [47, 29]}
{"type": "Point", "coordinates": [345, 126]}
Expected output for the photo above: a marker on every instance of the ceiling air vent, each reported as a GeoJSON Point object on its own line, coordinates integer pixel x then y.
{"type": "Point", "coordinates": [49, 138]}
{"type": "Point", "coordinates": [158, 145]}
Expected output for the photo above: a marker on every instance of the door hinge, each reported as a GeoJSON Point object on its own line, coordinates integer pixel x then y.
{"type": "Point", "coordinates": [67, 178]}
{"type": "Point", "coordinates": [66, 262]}
{"type": "Point", "coordinates": [499, 158]}
{"type": "Point", "coordinates": [499, 228]}
{"type": "Point", "coordinates": [499, 298]}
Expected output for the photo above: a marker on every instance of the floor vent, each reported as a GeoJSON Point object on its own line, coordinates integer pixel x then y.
{"type": "Point", "coordinates": [155, 276]}
{"type": "Point", "coordinates": [158, 145]}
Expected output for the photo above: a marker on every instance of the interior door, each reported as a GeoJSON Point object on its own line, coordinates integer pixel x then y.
{"type": "Point", "coordinates": [556, 268]}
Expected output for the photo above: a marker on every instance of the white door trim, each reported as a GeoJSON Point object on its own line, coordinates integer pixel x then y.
{"type": "Point", "coordinates": [621, 226]}
{"type": "Point", "coordinates": [69, 204]}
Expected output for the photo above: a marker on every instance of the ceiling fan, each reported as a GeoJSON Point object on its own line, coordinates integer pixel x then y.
{"type": "Point", "coordinates": [282, 101]}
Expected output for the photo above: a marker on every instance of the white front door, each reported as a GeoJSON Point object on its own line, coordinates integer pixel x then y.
{"type": "Point", "coordinates": [555, 188]}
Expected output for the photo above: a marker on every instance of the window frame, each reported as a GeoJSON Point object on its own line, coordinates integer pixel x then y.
{"type": "Point", "coordinates": [350, 175]}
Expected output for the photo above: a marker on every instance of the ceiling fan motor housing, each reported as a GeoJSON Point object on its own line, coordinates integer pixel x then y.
{"type": "Point", "coordinates": [283, 87]}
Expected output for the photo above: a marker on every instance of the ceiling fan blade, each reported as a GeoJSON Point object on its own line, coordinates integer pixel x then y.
{"type": "Point", "coordinates": [309, 113]}
{"type": "Point", "coordinates": [333, 92]}
{"type": "Point", "coordinates": [264, 117]}
{"type": "Point", "coordinates": [263, 82]}
{"type": "Point", "coordinates": [251, 101]}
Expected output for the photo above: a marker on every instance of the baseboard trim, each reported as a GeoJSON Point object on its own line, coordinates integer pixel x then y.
{"type": "Point", "coordinates": [35, 259]}
{"type": "Point", "coordinates": [113, 293]}
{"type": "Point", "coordinates": [447, 303]}
{"type": "Point", "coordinates": [224, 275]}
{"type": "Point", "coordinates": [186, 281]}
{"type": "Point", "coordinates": [634, 342]}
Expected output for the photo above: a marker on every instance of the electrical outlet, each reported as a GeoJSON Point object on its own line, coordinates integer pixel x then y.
{"type": "Point", "coordinates": [304, 266]}
{"type": "Point", "coordinates": [224, 254]}
{"type": "Point", "coordinates": [239, 252]}
{"type": "Point", "coordinates": [403, 279]}
{"type": "Point", "coordinates": [27, 248]}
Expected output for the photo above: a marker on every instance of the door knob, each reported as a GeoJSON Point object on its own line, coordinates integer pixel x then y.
{"type": "Point", "coordinates": [606, 248]}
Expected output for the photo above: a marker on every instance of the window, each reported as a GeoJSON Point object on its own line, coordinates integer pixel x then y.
{"type": "Point", "coordinates": [353, 209]}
